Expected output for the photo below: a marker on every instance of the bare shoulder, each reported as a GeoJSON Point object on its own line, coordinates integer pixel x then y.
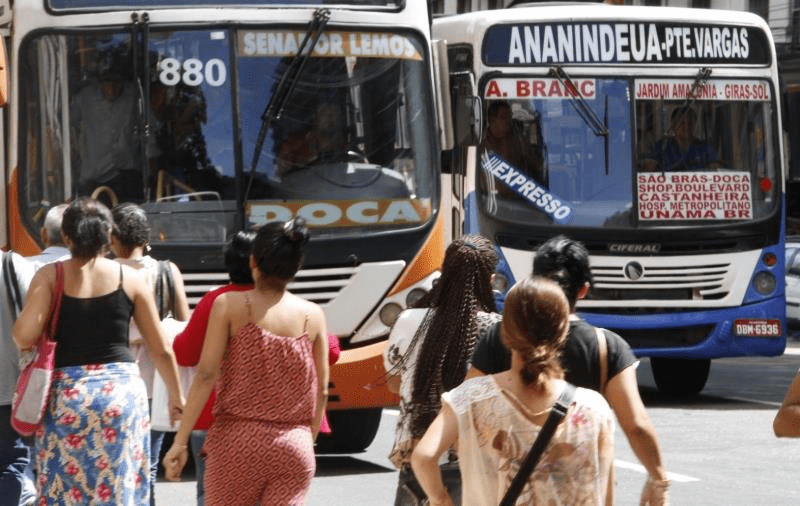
{"type": "Point", "coordinates": [176, 271]}
{"type": "Point", "coordinates": [134, 280]}
{"type": "Point", "coordinates": [314, 312]}
{"type": "Point", "coordinates": [312, 309]}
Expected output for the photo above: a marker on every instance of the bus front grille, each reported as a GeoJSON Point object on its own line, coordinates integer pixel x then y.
{"type": "Point", "coordinates": [671, 283]}
{"type": "Point", "coordinates": [317, 285]}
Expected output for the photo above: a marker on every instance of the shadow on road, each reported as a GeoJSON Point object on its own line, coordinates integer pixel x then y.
{"type": "Point", "coordinates": [338, 465]}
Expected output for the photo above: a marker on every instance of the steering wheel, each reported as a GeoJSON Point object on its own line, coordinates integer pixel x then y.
{"type": "Point", "coordinates": [108, 192]}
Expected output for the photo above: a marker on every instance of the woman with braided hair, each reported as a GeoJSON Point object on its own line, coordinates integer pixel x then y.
{"type": "Point", "coordinates": [429, 350]}
{"type": "Point", "coordinates": [495, 419]}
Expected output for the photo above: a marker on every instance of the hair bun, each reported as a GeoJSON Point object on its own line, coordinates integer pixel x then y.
{"type": "Point", "coordinates": [296, 230]}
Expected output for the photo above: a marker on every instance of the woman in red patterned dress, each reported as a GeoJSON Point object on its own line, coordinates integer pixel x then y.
{"type": "Point", "coordinates": [267, 352]}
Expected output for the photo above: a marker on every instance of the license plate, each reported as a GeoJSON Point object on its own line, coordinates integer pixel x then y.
{"type": "Point", "coordinates": [757, 328]}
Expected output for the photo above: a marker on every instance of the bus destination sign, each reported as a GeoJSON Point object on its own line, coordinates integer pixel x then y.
{"type": "Point", "coordinates": [530, 44]}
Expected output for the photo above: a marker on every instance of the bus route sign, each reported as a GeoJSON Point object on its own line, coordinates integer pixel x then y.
{"type": "Point", "coordinates": [629, 42]}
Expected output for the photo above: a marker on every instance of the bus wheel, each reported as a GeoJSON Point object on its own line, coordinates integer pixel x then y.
{"type": "Point", "coordinates": [680, 376]}
{"type": "Point", "coordinates": [351, 430]}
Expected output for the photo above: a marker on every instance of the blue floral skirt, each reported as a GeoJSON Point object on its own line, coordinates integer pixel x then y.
{"type": "Point", "coordinates": [94, 444]}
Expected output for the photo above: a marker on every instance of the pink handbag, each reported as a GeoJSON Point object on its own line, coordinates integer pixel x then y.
{"type": "Point", "coordinates": [33, 384]}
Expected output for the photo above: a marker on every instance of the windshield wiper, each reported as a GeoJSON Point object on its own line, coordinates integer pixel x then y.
{"type": "Point", "coordinates": [699, 81]}
{"type": "Point", "coordinates": [289, 79]}
{"type": "Point", "coordinates": [581, 107]}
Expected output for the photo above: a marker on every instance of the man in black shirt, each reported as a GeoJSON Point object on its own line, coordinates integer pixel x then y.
{"type": "Point", "coordinates": [567, 262]}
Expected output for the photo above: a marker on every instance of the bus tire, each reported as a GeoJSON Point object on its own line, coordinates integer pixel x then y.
{"type": "Point", "coordinates": [351, 430]}
{"type": "Point", "coordinates": [680, 376]}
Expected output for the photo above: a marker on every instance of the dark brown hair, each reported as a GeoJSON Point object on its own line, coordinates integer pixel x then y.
{"type": "Point", "coordinates": [87, 223]}
{"type": "Point", "coordinates": [278, 248]}
{"type": "Point", "coordinates": [535, 324]}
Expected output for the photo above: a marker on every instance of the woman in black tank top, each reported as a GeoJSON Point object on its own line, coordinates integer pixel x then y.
{"type": "Point", "coordinates": [97, 420]}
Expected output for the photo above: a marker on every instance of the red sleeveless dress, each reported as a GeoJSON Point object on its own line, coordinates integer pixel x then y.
{"type": "Point", "coordinates": [260, 448]}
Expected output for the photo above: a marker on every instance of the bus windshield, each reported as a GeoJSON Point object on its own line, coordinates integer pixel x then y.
{"type": "Point", "coordinates": [629, 153]}
{"type": "Point", "coordinates": [175, 127]}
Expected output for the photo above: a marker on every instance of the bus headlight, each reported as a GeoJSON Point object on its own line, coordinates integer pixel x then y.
{"type": "Point", "coordinates": [389, 313]}
{"type": "Point", "coordinates": [764, 283]}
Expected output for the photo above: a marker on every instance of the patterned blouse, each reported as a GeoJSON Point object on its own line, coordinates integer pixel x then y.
{"type": "Point", "coordinates": [495, 434]}
{"type": "Point", "coordinates": [402, 333]}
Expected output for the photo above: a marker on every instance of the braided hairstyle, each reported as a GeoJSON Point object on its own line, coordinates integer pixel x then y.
{"type": "Point", "coordinates": [278, 248]}
{"type": "Point", "coordinates": [448, 333]}
{"type": "Point", "coordinates": [535, 324]}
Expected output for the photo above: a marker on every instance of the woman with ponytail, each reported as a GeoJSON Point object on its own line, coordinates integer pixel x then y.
{"type": "Point", "coordinates": [493, 420]}
{"type": "Point", "coordinates": [266, 351]}
{"type": "Point", "coordinates": [429, 349]}
{"type": "Point", "coordinates": [95, 440]}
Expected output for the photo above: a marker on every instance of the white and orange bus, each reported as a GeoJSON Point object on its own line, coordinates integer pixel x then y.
{"type": "Point", "coordinates": [220, 116]}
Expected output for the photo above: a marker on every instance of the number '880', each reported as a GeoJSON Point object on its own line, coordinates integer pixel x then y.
{"type": "Point", "coordinates": [193, 72]}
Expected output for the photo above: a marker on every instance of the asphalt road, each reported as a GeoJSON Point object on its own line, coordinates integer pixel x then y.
{"type": "Point", "coordinates": [718, 446]}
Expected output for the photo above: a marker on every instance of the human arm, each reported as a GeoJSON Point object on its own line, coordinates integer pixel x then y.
{"type": "Point", "coordinates": [787, 419]}
{"type": "Point", "coordinates": [320, 345]}
{"type": "Point", "coordinates": [440, 436]}
{"type": "Point", "coordinates": [31, 321]}
{"type": "Point", "coordinates": [206, 374]}
{"type": "Point", "coordinates": [622, 393]}
{"type": "Point", "coordinates": [181, 305]}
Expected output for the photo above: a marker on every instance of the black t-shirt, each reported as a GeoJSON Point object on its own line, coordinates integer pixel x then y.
{"type": "Point", "coordinates": [580, 358]}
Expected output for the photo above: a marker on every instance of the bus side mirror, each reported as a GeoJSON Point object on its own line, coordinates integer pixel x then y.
{"type": "Point", "coordinates": [467, 123]}
{"type": "Point", "coordinates": [467, 110]}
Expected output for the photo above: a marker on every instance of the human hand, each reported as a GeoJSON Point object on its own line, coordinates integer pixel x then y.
{"type": "Point", "coordinates": [175, 409]}
{"type": "Point", "coordinates": [174, 461]}
{"type": "Point", "coordinates": [443, 500]}
{"type": "Point", "coordinates": [655, 493]}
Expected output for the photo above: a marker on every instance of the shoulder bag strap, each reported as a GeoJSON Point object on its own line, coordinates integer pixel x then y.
{"type": "Point", "coordinates": [55, 303]}
{"type": "Point", "coordinates": [170, 286]}
{"type": "Point", "coordinates": [12, 286]}
{"type": "Point", "coordinates": [602, 356]}
{"type": "Point", "coordinates": [557, 413]}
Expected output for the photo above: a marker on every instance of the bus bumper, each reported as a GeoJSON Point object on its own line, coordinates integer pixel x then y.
{"type": "Point", "coordinates": [358, 380]}
{"type": "Point", "coordinates": [704, 334]}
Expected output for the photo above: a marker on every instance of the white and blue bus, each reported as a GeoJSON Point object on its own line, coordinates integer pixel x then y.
{"type": "Point", "coordinates": [220, 116]}
{"type": "Point", "coordinates": [653, 135]}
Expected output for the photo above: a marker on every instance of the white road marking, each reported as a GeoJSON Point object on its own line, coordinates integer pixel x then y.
{"type": "Point", "coordinates": [682, 478]}
{"type": "Point", "coordinates": [753, 401]}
